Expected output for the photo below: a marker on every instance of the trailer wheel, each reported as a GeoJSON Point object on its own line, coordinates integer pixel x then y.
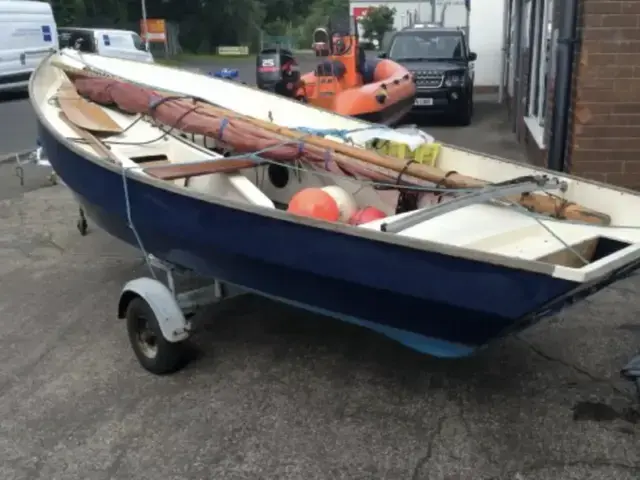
{"type": "Point", "coordinates": [154, 352]}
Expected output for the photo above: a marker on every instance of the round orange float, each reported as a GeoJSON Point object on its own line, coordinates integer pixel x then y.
{"type": "Point", "coordinates": [344, 200]}
{"type": "Point", "coordinates": [314, 203]}
{"type": "Point", "coordinates": [366, 215]}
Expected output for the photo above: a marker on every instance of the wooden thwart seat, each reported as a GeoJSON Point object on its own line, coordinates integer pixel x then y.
{"type": "Point", "coordinates": [196, 169]}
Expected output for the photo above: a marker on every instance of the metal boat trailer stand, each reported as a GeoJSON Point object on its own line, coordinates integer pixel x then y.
{"type": "Point", "coordinates": [34, 156]}
{"type": "Point", "coordinates": [38, 157]}
{"type": "Point", "coordinates": [81, 224]}
{"type": "Point", "coordinates": [160, 319]}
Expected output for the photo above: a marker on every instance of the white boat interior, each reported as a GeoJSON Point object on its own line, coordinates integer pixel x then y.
{"type": "Point", "coordinates": [481, 227]}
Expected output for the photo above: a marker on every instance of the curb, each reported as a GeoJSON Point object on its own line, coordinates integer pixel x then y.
{"type": "Point", "coordinates": [11, 157]}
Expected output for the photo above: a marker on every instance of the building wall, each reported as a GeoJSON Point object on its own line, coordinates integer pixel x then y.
{"type": "Point", "coordinates": [484, 23]}
{"type": "Point", "coordinates": [486, 38]}
{"type": "Point", "coordinates": [605, 139]}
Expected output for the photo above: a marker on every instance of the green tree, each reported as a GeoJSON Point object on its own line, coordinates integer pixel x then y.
{"type": "Point", "coordinates": [206, 24]}
{"type": "Point", "coordinates": [319, 14]}
{"type": "Point", "coordinates": [377, 21]}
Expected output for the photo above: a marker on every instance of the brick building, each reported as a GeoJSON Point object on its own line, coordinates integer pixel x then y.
{"type": "Point", "coordinates": [584, 119]}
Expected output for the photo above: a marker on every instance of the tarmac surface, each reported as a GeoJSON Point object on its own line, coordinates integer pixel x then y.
{"type": "Point", "coordinates": [275, 393]}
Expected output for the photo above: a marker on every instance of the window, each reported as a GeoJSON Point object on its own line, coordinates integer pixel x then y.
{"type": "Point", "coordinates": [428, 45]}
{"type": "Point", "coordinates": [539, 68]}
{"type": "Point", "coordinates": [78, 39]}
{"type": "Point", "coordinates": [138, 43]}
{"type": "Point", "coordinates": [64, 40]}
{"type": "Point", "coordinates": [85, 43]}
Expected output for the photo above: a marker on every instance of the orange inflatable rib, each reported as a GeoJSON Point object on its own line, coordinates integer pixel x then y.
{"type": "Point", "coordinates": [344, 81]}
{"type": "Point", "coordinates": [379, 91]}
{"type": "Point", "coordinates": [385, 100]}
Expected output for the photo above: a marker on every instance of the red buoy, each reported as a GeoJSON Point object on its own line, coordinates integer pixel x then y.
{"type": "Point", "coordinates": [366, 215]}
{"type": "Point", "coordinates": [314, 203]}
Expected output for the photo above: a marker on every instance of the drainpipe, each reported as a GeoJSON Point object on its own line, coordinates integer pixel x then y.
{"type": "Point", "coordinates": [505, 48]}
{"type": "Point", "coordinates": [567, 38]}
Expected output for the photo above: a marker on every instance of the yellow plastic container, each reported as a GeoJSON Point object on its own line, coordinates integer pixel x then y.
{"type": "Point", "coordinates": [426, 153]}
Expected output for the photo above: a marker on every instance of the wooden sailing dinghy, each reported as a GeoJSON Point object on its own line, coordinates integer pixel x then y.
{"type": "Point", "coordinates": [464, 267]}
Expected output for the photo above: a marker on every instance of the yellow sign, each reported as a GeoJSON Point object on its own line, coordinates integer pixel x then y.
{"type": "Point", "coordinates": [235, 50]}
{"type": "Point", "coordinates": [154, 30]}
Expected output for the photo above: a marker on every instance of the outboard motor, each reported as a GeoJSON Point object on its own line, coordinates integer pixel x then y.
{"type": "Point", "coordinates": [321, 42]}
{"type": "Point", "coordinates": [277, 71]}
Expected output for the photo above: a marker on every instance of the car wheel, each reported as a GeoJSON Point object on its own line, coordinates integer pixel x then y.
{"type": "Point", "coordinates": [464, 116]}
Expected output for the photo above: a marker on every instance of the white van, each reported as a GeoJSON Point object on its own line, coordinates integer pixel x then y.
{"type": "Point", "coordinates": [27, 34]}
{"type": "Point", "coordinates": [106, 42]}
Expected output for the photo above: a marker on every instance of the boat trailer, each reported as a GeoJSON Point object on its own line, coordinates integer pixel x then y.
{"type": "Point", "coordinates": [160, 318]}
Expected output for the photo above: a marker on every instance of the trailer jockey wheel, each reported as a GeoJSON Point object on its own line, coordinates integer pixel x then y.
{"type": "Point", "coordinates": [82, 225]}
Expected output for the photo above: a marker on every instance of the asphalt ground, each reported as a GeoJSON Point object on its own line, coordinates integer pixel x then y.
{"type": "Point", "coordinates": [276, 393]}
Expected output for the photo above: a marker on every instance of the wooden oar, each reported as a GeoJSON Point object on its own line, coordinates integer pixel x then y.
{"type": "Point", "coordinates": [84, 114]}
{"type": "Point", "coordinates": [98, 146]}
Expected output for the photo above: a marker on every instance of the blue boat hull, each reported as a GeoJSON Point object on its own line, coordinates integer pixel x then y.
{"type": "Point", "coordinates": [434, 303]}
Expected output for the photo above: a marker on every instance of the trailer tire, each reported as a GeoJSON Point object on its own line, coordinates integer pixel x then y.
{"type": "Point", "coordinates": [153, 351]}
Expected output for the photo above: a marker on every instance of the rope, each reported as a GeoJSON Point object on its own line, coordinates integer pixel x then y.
{"type": "Point", "coordinates": [540, 222]}
{"type": "Point", "coordinates": [343, 134]}
{"type": "Point", "coordinates": [404, 170]}
{"type": "Point", "coordinates": [256, 155]}
{"type": "Point", "coordinates": [130, 224]}
{"type": "Point", "coordinates": [223, 125]}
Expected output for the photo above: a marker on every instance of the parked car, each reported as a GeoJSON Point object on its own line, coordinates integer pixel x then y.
{"type": "Point", "coordinates": [442, 66]}
{"type": "Point", "coordinates": [106, 42]}
{"type": "Point", "coordinates": [28, 33]}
